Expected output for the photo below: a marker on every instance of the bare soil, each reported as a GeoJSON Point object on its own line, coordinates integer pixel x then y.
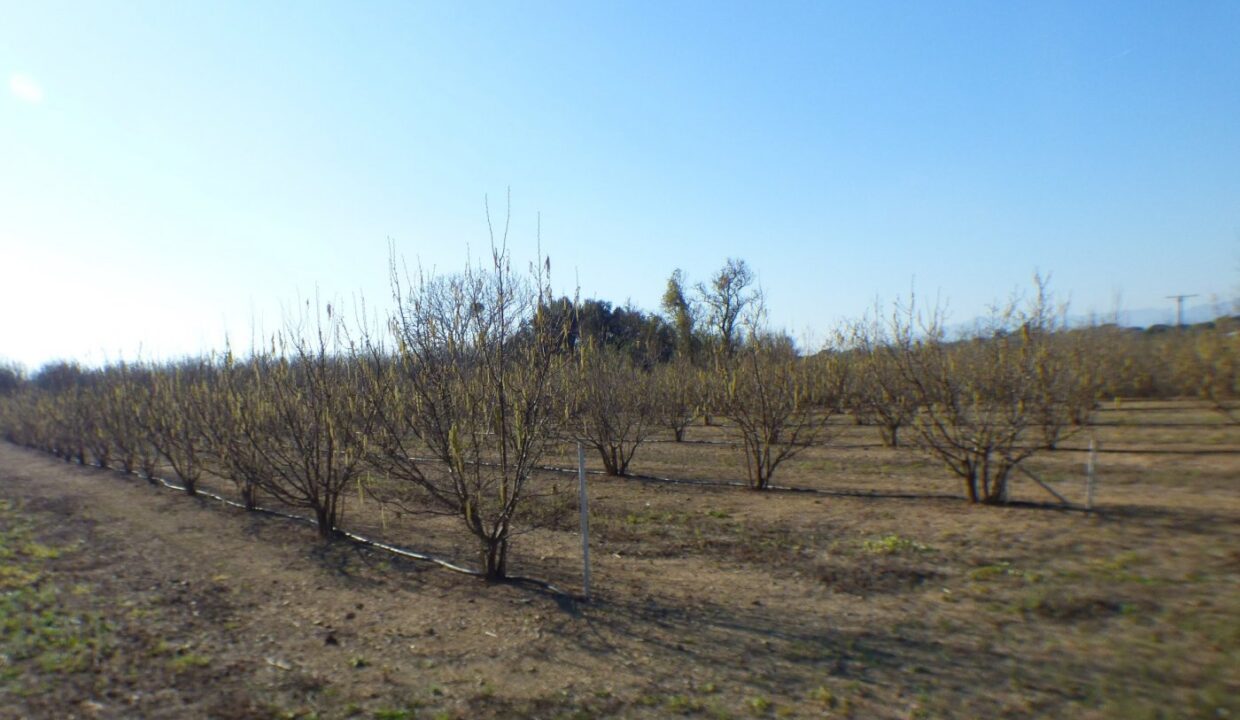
{"type": "Point", "coordinates": [880, 594]}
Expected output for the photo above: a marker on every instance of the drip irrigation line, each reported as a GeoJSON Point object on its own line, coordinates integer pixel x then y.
{"type": "Point", "coordinates": [688, 441]}
{"type": "Point", "coordinates": [637, 477]}
{"type": "Point", "coordinates": [1165, 425]}
{"type": "Point", "coordinates": [1146, 451]}
{"type": "Point", "coordinates": [354, 537]}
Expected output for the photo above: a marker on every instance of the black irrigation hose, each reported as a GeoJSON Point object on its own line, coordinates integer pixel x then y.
{"type": "Point", "coordinates": [747, 486]}
{"type": "Point", "coordinates": [354, 537]}
{"type": "Point", "coordinates": [643, 478]}
{"type": "Point", "coordinates": [726, 483]}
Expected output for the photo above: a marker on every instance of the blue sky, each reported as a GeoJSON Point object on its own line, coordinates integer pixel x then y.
{"type": "Point", "coordinates": [171, 172]}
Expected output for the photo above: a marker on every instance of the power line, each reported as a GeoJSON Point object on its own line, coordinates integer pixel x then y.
{"type": "Point", "coordinates": [1179, 307]}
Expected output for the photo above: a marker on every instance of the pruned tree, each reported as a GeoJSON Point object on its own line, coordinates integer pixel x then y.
{"type": "Point", "coordinates": [880, 394]}
{"type": "Point", "coordinates": [678, 396]}
{"type": "Point", "coordinates": [65, 425]}
{"type": "Point", "coordinates": [1217, 359]}
{"type": "Point", "coordinates": [121, 402]}
{"type": "Point", "coordinates": [1068, 375]}
{"type": "Point", "coordinates": [238, 424]}
{"type": "Point", "coordinates": [18, 419]}
{"type": "Point", "coordinates": [308, 421]}
{"type": "Point", "coordinates": [471, 386]}
{"type": "Point", "coordinates": [141, 390]}
{"type": "Point", "coordinates": [779, 403]}
{"type": "Point", "coordinates": [98, 425]}
{"type": "Point", "coordinates": [1091, 355]}
{"type": "Point", "coordinates": [613, 406]}
{"type": "Point", "coordinates": [978, 397]}
{"type": "Point", "coordinates": [169, 422]}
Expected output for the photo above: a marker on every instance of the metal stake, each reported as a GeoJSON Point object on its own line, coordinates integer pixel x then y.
{"type": "Point", "coordinates": [1090, 464]}
{"type": "Point", "coordinates": [584, 501]}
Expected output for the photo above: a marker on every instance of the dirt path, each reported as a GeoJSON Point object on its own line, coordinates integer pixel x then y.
{"type": "Point", "coordinates": [210, 612]}
{"type": "Point", "coordinates": [213, 613]}
{"type": "Point", "coordinates": [119, 599]}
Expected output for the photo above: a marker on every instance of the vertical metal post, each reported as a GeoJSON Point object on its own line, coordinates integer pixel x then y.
{"type": "Point", "coordinates": [1089, 474]}
{"type": "Point", "coordinates": [584, 501]}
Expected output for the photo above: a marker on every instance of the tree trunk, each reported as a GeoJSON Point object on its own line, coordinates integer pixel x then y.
{"type": "Point", "coordinates": [325, 518]}
{"type": "Point", "coordinates": [971, 484]}
{"type": "Point", "coordinates": [759, 476]}
{"type": "Point", "coordinates": [996, 493]}
{"type": "Point", "coordinates": [611, 461]}
{"type": "Point", "coordinates": [249, 496]}
{"type": "Point", "coordinates": [495, 559]}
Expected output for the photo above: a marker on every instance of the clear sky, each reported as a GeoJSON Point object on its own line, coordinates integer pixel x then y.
{"type": "Point", "coordinates": [170, 171]}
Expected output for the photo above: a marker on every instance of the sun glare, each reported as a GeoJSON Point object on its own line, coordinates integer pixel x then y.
{"type": "Point", "coordinates": [24, 88]}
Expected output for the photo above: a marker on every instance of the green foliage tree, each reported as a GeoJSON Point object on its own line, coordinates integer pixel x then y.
{"type": "Point", "coordinates": [682, 314]}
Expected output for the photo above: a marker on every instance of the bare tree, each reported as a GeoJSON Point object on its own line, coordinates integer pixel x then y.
{"type": "Point", "coordinates": [91, 400]}
{"type": "Point", "coordinates": [779, 403]}
{"type": "Point", "coordinates": [169, 423]}
{"type": "Point", "coordinates": [1069, 372]}
{"type": "Point", "coordinates": [238, 425]}
{"type": "Point", "coordinates": [310, 423]}
{"type": "Point", "coordinates": [121, 403]}
{"type": "Point", "coordinates": [66, 422]}
{"type": "Point", "coordinates": [678, 396]}
{"type": "Point", "coordinates": [1216, 354]}
{"type": "Point", "coordinates": [472, 387]}
{"type": "Point", "coordinates": [614, 406]}
{"type": "Point", "coordinates": [978, 397]}
{"type": "Point", "coordinates": [880, 393]}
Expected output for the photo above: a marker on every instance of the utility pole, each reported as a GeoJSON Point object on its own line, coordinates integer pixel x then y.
{"type": "Point", "coordinates": [1179, 308]}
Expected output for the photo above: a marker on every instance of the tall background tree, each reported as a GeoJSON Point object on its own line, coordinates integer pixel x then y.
{"type": "Point", "coordinates": [682, 314]}
{"type": "Point", "coordinates": [12, 376]}
{"type": "Point", "coordinates": [726, 298]}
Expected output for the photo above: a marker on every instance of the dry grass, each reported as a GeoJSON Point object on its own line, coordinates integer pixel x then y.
{"type": "Point", "coordinates": [881, 594]}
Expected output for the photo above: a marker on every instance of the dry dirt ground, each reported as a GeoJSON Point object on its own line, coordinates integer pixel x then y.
{"type": "Point", "coordinates": [882, 594]}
